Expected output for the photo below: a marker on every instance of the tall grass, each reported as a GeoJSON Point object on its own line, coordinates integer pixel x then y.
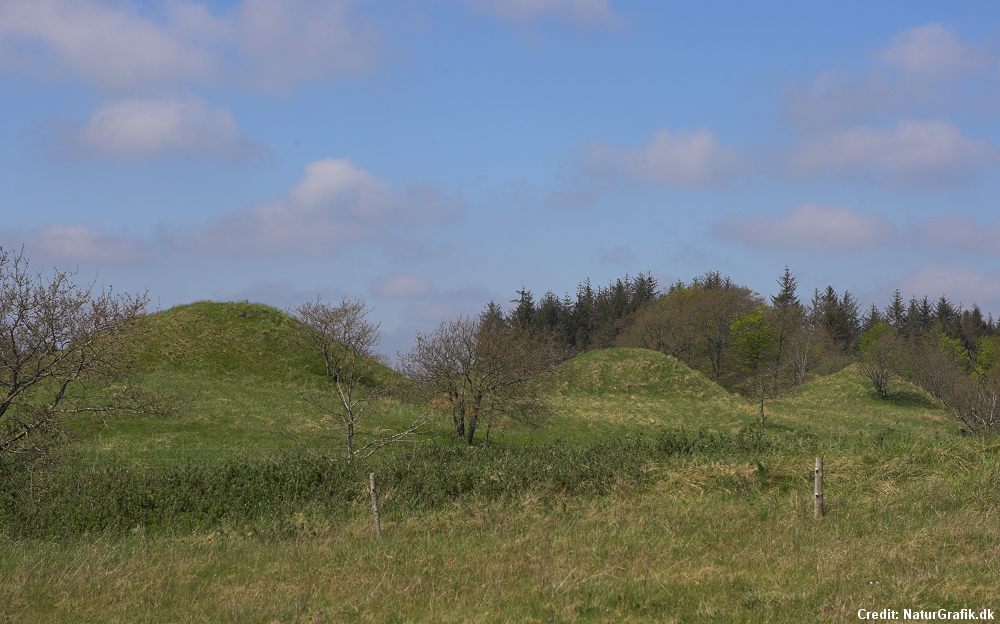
{"type": "Point", "coordinates": [262, 494]}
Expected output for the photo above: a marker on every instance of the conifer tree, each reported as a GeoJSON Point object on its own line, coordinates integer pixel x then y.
{"type": "Point", "coordinates": [895, 312]}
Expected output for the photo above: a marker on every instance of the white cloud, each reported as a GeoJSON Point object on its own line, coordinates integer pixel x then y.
{"type": "Point", "coordinates": [149, 127]}
{"type": "Point", "coordinates": [80, 244]}
{"type": "Point", "coordinates": [921, 71]}
{"type": "Point", "coordinates": [961, 285]}
{"type": "Point", "coordinates": [809, 227]}
{"type": "Point", "coordinates": [913, 151]}
{"type": "Point", "coordinates": [295, 41]}
{"type": "Point", "coordinates": [930, 51]}
{"type": "Point", "coordinates": [684, 159]}
{"type": "Point", "coordinates": [580, 11]}
{"type": "Point", "coordinates": [404, 286]}
{"type": "Point", "coordinates": [124, 46]}
{"type": "Point", "coordinates": [335, 204]}
{"type": "Point", "coordinates": [108, 44]}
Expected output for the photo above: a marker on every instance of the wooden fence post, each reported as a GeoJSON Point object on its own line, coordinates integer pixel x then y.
{"type": "Point", "coordinates": [375, 510]}
{"type": "Point", "coordinates": [818, 489]}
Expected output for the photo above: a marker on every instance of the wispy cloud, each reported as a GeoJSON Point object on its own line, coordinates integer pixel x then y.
{"type": "Point", "coordinates": [913, 151]}
{"type": "Point", "coordinates": [961, 234]}
{"type": "Point", "coordinates": [808, 227]}
{"type": "Point", "coordinates": [404, 286]}
{"type": "Point", "coordinates": [959, 284]}
{"type": "Point", "coordinates": [72, 244]}
{"type": "Point", "coordinates": [335, 204]}
{"type": "Point", "coordinates": [152, 127]}
{"type": "Point", "coordinates": [586, 12]}
{"type": "Point", "coordinates": [932, 51]}
{"type": "Point", "coordinates": [123, 46]}
{"type": "Point", "coordinates": [919, 71]}
{"type": "Point", "coordinates": [680, 159]}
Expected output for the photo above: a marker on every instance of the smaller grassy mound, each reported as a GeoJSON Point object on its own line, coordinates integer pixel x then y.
{"type": "Point", "coordinates": [845, 403]}
{"type": "Point", "coordinates": [609, 390]}
{"type": "Point", "coordinates": [635, 372]}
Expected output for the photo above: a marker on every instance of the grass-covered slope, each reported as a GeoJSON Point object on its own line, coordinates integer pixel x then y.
{"type": "Point", "coordinates": [640, 389]}
{"type": "Point", "coordinates": [241, 339]}
{"type": "Point", "coordinates": [234, 378]}
{"type": "Point", "coordinates": [844, 403]}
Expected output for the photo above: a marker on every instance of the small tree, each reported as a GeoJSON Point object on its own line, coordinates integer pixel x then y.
{"type": "Point", "coordinates": [483, 368]}
{"type": "Point", "coordinates": [345, 339]}
{"type": "Point", "coordinates": [60, 345]}
{"type": "Point", "coordinates": [756, 348]}
{"type": "Point", "coordinates": [879, 356]}
{"type": "Point", "coordinates": [969, 387]}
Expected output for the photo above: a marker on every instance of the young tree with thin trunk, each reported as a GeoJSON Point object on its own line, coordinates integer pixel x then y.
{"type": "Point", "coordinates": [756, 347]}
{"type": "Point", "coordinates": [61, 345]}
{"type": "Point", "coordinates": [345, 339]}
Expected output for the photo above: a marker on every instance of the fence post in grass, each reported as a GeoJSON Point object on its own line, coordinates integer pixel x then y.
{"type": "Point", "coordinates": [375, 510]}
{"type": "Point", "coordinates": [818, 488]}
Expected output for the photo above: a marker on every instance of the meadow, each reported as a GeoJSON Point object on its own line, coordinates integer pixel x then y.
{"type": "Point", "coordinates": [648, 495]}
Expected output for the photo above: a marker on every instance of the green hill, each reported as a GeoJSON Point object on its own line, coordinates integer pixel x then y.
{"type": "Point", "coordinates": [233, 379]}
{"type": "Point", "coordinates": [844, 403]}
{"type": "Point", "coordinates": [622, 388]}
{"type": "Point", "coordinates": [241, 339]}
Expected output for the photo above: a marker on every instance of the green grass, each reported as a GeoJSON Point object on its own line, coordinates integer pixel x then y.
{"type": "Point", "coordinates": [708, 541]}
{"type": "Point", "coordinates": [559, 523]}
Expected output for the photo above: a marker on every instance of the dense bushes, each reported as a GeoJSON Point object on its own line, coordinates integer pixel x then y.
{"type": "Point", "coordinates": [265, 494]}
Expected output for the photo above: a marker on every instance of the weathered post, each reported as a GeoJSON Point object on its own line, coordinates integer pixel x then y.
{"type": "Point", "coordinates": [818, 488]}
{"type": "Point", "coordinates": [375, 510]}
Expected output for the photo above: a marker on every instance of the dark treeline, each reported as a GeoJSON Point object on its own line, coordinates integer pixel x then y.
{"type": "Point", "coordinates": [591, 320]}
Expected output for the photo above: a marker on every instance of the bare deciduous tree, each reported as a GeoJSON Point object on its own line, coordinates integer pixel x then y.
{"type": "Point", "coordinates": [940, 365]}
{"type": "Point", "coordinates": [345, 339]}
{"type": "Point", "coordinates": [60, 343]}
{"type": "Point", "coordinates": [879, 357]}
{"type": "Point", "coordinates": [484, 369]}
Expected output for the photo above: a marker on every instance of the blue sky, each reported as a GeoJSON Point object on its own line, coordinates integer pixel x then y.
{"type": "Point", "coordinates": [431, 155]}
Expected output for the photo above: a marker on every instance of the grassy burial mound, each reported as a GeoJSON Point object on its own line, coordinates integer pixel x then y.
{"type": "Point", "coordinates": [233, 379]}
{"type": "Point", "coordinates": [234, 339]}
{"type": "Point", "coordinates": [844, 403]}
{"type": "Point", "coordinates": [638, 388]}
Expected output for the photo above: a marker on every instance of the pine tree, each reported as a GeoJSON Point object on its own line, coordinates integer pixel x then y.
{"type": "Point", "coordinates": [945, 317]}
{"type": "Point", "coordinates": [523, 313]}
{"type": "Point", "coordinates": [849, 323]}
{"type": "Point", "coordinates": [786, 296]}
{"type": "Point", "coordinates": [548, 312]}
{"type": "Point", "coordinates": [926, 315]}
{"type": "Point", "coordinates": [583, 316]}
{"type": "Point", "coordinates": [492, 315]}
{"type": "Point", "coordinates": [872, 318]}
{"type": "Point", "coordinates": [912, 325]}
{"type": "Point", "coordinates": [895, 312]}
